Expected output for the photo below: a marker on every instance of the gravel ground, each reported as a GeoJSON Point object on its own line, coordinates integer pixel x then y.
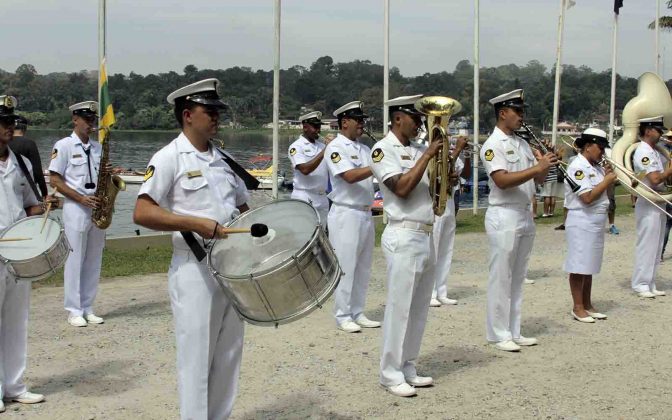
{"type": "Point", "coordinates": [618, 368]}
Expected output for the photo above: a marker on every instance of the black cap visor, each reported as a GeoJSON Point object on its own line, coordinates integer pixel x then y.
{"type": "Point", "coordinates": [210, 99]}
{"type": "Point", "coordinates": [585, 139]}
{"type": "Point", "coordinates": [407, 109]}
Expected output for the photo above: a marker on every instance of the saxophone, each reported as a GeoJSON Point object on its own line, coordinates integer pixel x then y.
{"type": "Point", "coordinates": [438, 110]}
{"type": "Point", "coordinates": [108, 187]}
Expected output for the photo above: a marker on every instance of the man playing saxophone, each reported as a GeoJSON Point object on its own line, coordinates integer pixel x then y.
{"type": "Point", "coordinates": [510, 164]}
{"type": "Point", "coordinates": [73, 172]}
{"type": "Point", "coordinates": [650, 221]}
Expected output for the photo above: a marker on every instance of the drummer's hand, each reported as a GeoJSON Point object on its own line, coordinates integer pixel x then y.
{"type": "Point", "coordinates": [207, 228]}
{"type": "Point", "coordinates": [89, 201]}
{"type": "Point", "coordinates": [53, 200]}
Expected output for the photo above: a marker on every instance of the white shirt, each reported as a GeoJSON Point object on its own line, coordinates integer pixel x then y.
{"type": "Point", "coordinates": [512, 154]}
{"type": "Point", "coordinates": [302, 151]}
{"type": "Point", "coordinates": [184, 181]}
{"type": "Point", "coordinates": [343, 154]}
{"type": "Point", "coordinates": [647, 159]}
{"type": "Point", "coordinates": [587, 176]}
{"type": "Point", "coordinates": [390, 158]}
{"type": "Point", "coordinates": [69, 159]}
{"type": "Point", "coordinates": [15, 191]}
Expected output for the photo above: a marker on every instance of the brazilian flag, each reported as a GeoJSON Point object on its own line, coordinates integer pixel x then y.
{"type": "Point", "coordinates": [106, 111]}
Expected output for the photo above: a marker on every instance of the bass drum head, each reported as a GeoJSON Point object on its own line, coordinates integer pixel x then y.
{"type": "Point", "coordinates": [38, 242]}
{"type": "Point", "coordinates": [291, 226]}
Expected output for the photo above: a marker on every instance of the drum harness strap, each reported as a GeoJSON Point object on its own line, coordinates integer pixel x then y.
{"type": "Point", "coordinates": [28, 176]}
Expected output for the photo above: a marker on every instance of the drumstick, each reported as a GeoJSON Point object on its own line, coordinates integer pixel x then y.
{"type": "Point", "coordinates": [46, 212]}
{"type": "Point", "coordinates": [14, 239]}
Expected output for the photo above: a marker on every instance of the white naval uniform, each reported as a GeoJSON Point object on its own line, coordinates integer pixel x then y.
{"type": "Point", "coordinates": [510, 229]}
{"type": "Point", "coordinates": [16, 195]}
{"type": "Point", "coordinates": [209, 333]}
{"type": "Point", "coordinates": [82, 268]}
{"type": "Point", "coordinates": [312, 187]}
{"type": "Point", "coordinates": [409, 251]}
{"type": "Point", "coordinates": [351, 229]}
{"type": "Point", "coordinates": [650, 223]}
{"type": "Point", "coordinates": [444, 240]}
{"type": "Point", "coordinates": [584, 228]}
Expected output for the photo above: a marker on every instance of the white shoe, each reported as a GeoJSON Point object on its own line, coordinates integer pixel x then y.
{"type": "Point", "coordinates": [365, 322]}
{"type": "Point", "coordinates": [349, 326]}
{"type": "Point", "coordinates": [507, 345]}
{"type": "Point", "coordinates": [77, 321]}
{"type": "Point", "coordinates": [525, 341]}
{"type": "Point", "coordinates": [401, 390]}
{"type": "Point", "coordinates": [597, 315]}
{"type": "Point", "coordinates": [448, 301]}
{"type": "Point", "coordinates": [420, 381]}
{"type": "Point", "coordinates": [528, 281]}
{"type": "Point", "coordinates": [434, 303]}
{"type": "Point", "coordinates": [93, 319]}
{"type": "Point", "coordinates": [646, 294]}
{"type": "Point", "coordinates": [27, 398]}
{"type": "Point", "coordinates": [587, 319]}
{"type": "Point", "coordinates": [658, 292]}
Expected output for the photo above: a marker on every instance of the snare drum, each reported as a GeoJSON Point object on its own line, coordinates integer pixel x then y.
{"type": "Point", "coordinates": [283, 276]}
{"type": "Point", "coordinates": [39, 257]}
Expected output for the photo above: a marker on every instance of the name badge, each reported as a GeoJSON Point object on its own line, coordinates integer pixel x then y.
{"type": "Point", "coordinates": [406, 157]}
{"type": "Point", "coordinates": [591, 176]}
{"type": "Point", "coordinates": [76, 156]}
{"type": "Point", "coordinates": [194, 174]}
{"type": "Point", "coordinates": [354, 157]}
{"type": "Point", "coordinates": [510, 152]}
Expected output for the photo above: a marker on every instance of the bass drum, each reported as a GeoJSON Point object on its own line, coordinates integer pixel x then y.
{"type": "Point", "coordinates": [283, 276]}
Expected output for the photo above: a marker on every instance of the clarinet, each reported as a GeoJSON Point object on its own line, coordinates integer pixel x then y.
{"type": "Point", "coordinates": [539, 145]}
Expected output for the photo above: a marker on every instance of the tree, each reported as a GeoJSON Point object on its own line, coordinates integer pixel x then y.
{"type": "Point", "coordinates": [664, 21]}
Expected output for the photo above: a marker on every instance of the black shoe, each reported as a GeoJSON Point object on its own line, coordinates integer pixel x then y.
{"type": "Point", "coordinates": [561, 227]}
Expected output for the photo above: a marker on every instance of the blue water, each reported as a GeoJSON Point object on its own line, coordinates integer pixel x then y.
{"type": "Point", "coordinates": [132, 150]}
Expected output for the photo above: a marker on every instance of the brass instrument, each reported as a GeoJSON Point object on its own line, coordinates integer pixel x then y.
{"type": "Point", "coordinates": [438, 110]}
{"type": "Point", "coordinates": [108, 187]}
{"type": "Point", "coordinates": [368, 133]}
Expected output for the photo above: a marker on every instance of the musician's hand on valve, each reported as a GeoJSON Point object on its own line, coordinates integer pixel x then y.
{"type": "Point", "coordinates": [547, 160]}
{"type": "Point", "coordinates": [434, 147]}
{"type": "Point", "coordinates": [89, 201]}
{"type": "Point", "coordinates": [461, 143]}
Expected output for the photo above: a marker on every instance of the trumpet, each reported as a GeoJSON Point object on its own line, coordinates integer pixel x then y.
{"type": "Point", "coordinates": [635, 181]}
{"type": "Point", "coordinates": [539, 145]}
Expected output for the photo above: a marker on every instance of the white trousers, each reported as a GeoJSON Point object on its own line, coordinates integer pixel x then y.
{"type": "Point", "coordinates": [444, 241]}
{"type": "Point", "coordinates": [352, 235]}
{"type": "Point", "coordinates": [14, 307]}
{"type": "Point", "coordinates": [650, 223]}
{"type": "Point", "coordinates": [320, 202]}
{"type": "Point", "coordinates": [511, 235]}
{"type": "Point", "coordinates": [410, 279]}
{"type": "Point", "coordinates": [209, 336]}
{"type": "Point", "coordinates": [82, 268]}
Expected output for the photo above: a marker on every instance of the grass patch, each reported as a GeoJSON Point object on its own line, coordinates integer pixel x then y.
{"type": "Point", "coordinates": [124, 262]}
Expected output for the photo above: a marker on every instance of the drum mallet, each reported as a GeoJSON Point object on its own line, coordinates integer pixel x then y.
{"type": "Point", "coordinates": [257, 230]}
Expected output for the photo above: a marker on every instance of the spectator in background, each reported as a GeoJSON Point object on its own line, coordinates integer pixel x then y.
{"type": "Point", "coordinates": [27, 148]}
{"type": "Point", "coordinates": [552, 189]}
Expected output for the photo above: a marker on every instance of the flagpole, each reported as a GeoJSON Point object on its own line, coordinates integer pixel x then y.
{"type": "Point", "coordinates": [101, 47]}
{"type": "Point", "coordinates": [386, 63]}
{"type": "Point", "coordinates": [658, 37]}
{"type": "Point", "coordinates": [276, 97]}
{"type": "Point", "coordinates": [477, 69]}
{"type": "Point", "coordinates": [558, 71]}
{"type": "Point", "coordinates": [612, 104]}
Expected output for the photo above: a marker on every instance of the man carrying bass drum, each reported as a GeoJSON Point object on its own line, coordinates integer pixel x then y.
{"type": "Point", "coordinates": [586, 217]}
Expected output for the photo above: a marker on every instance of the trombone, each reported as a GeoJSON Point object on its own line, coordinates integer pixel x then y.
{"type": "Point", "coordinates": [634, 179]}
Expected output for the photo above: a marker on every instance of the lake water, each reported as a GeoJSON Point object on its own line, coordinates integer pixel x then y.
{"type": "Point", "coordinates": [132, 150]}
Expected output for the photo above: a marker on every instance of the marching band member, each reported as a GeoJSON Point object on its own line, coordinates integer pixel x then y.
{"type": "Point", "coordinates": [351, 229]}
{"type": "Point", "coordinates": [189, 187]}
{"type": "Point", "coordinates": [311, 176]}
{"type": "Point", "coordinates": [510, 164]}
{"type": "Point", "coordinates": [400, 167]}
{"type": "Point", "coordinates": [18, 201]}
{"type": "Point", "coordinates": [444, 237]}
{"type": "Point", "coordinates": [650, 222]}
{"type": "Point", "coordinates": [73, 171]}
{"type": "Point", "coordinates": [586, 216]}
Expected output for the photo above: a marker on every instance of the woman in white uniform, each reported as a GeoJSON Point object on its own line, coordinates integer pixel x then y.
{"type": "Point", "coordinates": [586, 218]}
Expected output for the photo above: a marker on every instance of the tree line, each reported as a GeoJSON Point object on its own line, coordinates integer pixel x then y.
{"type": "Point", "coordinates": [140, 101]}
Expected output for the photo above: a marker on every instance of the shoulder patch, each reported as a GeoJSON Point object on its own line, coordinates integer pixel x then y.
{"type": "Point", "coordinates": [335, 157]}
{"type": "Point", "coordinates": [54, 153]}
{"type": "Point", "coordinates": [292, 151]}
{"type": "Point", "coordinates": [377, 155]}
{"type": "Point", "coordinates": [489, 154]}
{"type": "Point", "coordinates": [149, 173]}
{"type": "Point", "coordinates": [579, 175]}
{"type": "Point", "coordinates": [645, 160]}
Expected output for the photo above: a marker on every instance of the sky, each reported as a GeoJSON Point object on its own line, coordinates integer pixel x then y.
{"type": "Point", "coordinates": [153, 36]}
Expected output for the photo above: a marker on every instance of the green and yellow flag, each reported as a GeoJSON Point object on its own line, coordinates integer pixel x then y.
{"type": "Point", "coordinates": [106, 111]}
